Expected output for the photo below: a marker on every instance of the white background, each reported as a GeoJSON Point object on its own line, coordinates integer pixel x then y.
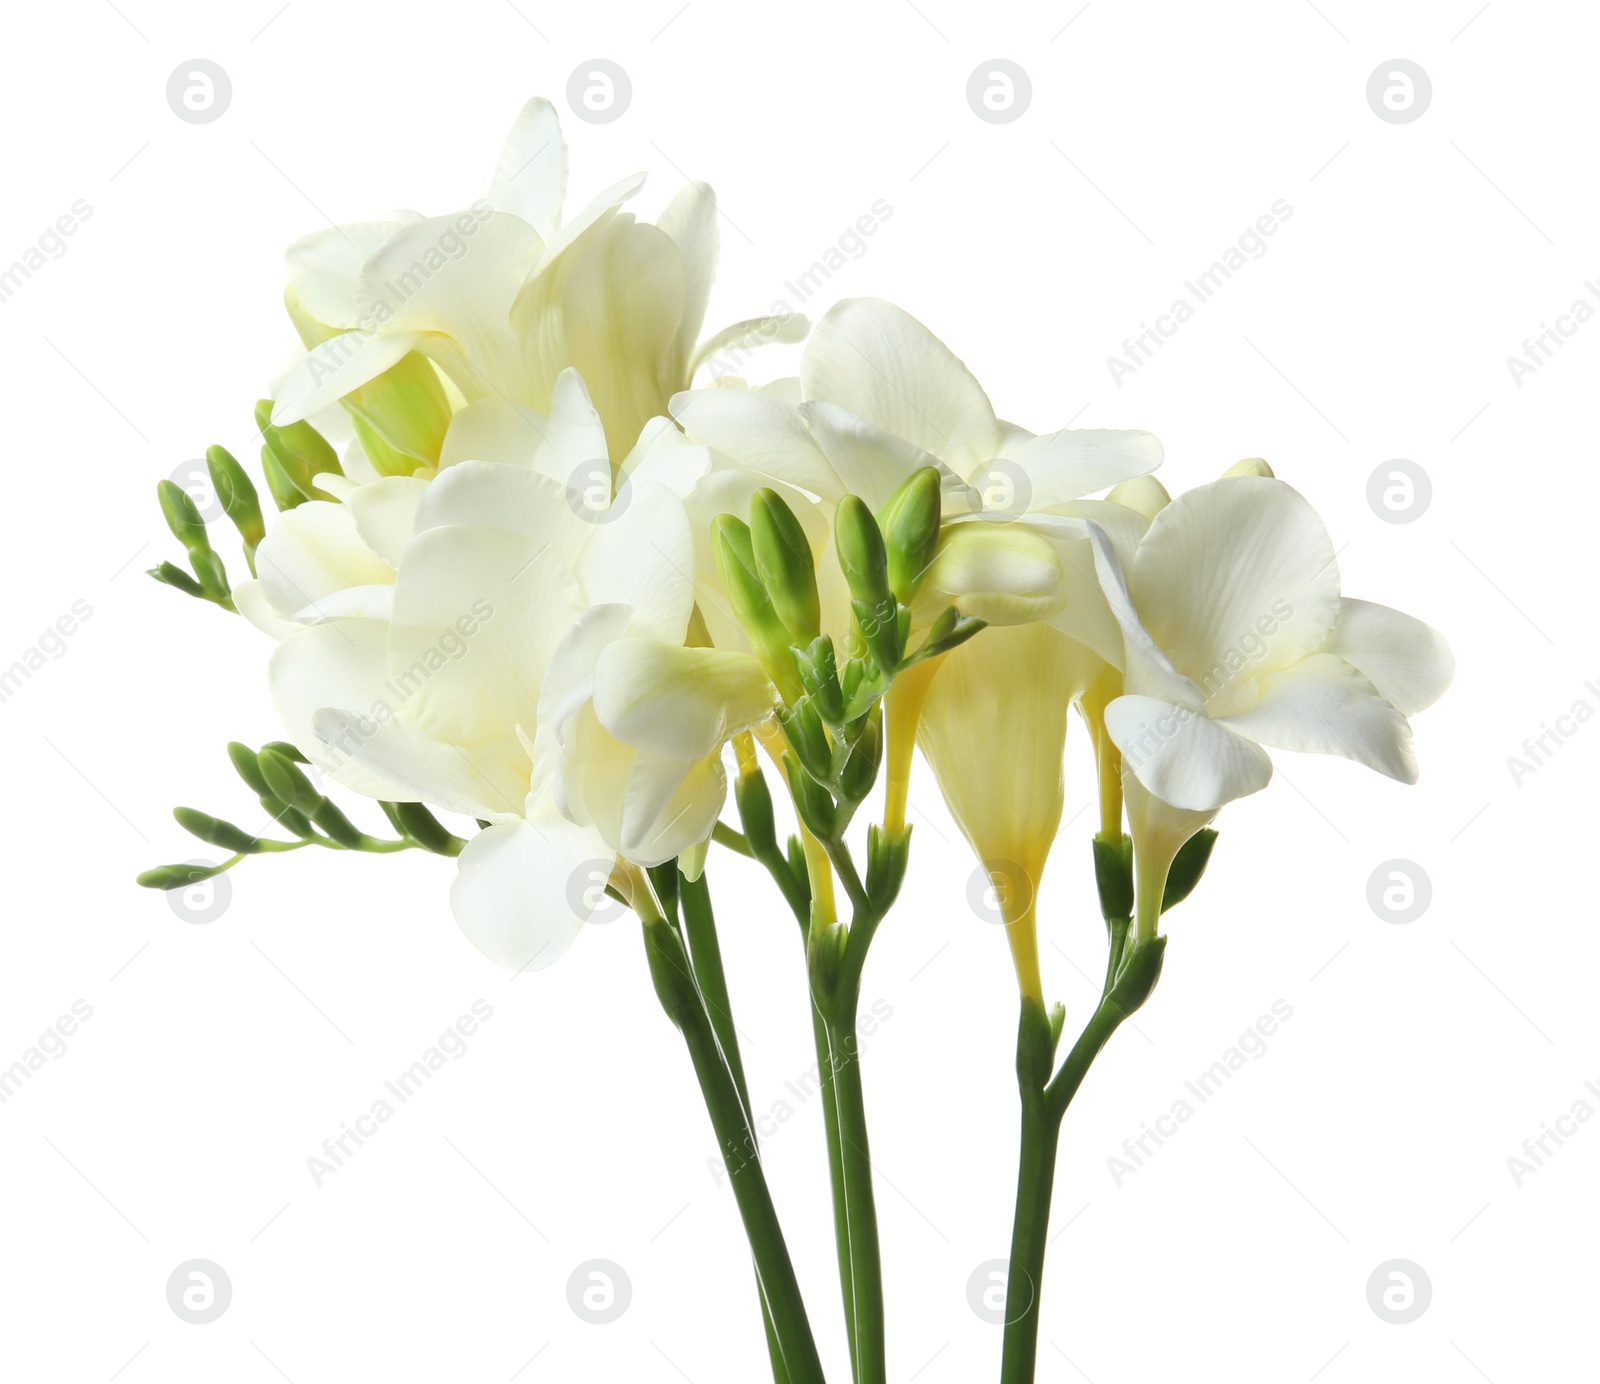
{"type": "Point", "coordinates": [1419, 1057]}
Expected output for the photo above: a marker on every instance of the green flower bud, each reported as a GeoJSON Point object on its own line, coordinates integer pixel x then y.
{"type": "Point", "coordinates": [287, 783]}
{"type": "Point", "coordinates": [819, 675]}
{"type": "Point", "coordinates": [177, 876]}
{"type": "Point", "coordinates": [735, 555]}
{"type": "Point", "coordinates": [803, 728]}
{"type": "Point", "coordinates": [825, 956]}
{"type": "Point", "coordinates": [400, 417]}
{"type": "Point", "coordinates": [245, 765]}
{"type": "Point", "coordinates": [238, 498]}
{"type": "Point", "coordinates": [784, 563]}
{"type": "Point", "coordinates": [862, 557]}
{"type": "Point", "coordinates": [414, 820]}
{"type": "Point", "coordinates": [168, 575]}
{"type": "Point", "coordinates": [755, 812]}
{"type": "Point", "coordinates": [286, 816]}
{"type": "Point", "coordinates": [183, 518]}
{"type": "Point", "coordinates": [300, 451]}
{"type": "Point", "coordinates": [337, 826]}
{"type": "Point", "coordinates": [909, 521]}
{"type": "Point", "coordinates": [888, 854]}
{"type": "Point", "coordinates": [812, 801]}
{"type": "Point", "coordinates": [860, 770]}
{"type": "Point", "coordinates": [215, 832]}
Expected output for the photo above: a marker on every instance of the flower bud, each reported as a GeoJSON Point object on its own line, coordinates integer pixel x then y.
{"type": "Point", "coordinates": [177, 876]}
{"type": "Point", "coordinates": [888, 854]}
{"type": "Point", "coordinates": [755, 812]}
{"type": "Point", "coordinates": [215, 832]}
{"type": "Point", "coordinates": [784, 563]}
{"type": "Point", "coordinates": [287, 784]}
{"type": "Point", "coordinates": [803, 729]}
{"type": "Point", "coordinates": [299, 452]}
{"type": "Point", "coordinates": [861, 553]}
{"type": "Point", "coordinates": [238, 498]}
{"type": "Point", "coordinates": [813, 803]}
{"type": "Point", "coordinates": [819, 675]}
{"type": "Point", "coordinates": [735, 555]}
{"type": "Point", "coordinates": [183, 518]}
{"type": "Point", "coordinates": [909, 521]}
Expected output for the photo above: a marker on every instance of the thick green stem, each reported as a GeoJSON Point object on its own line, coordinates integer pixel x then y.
{"type": "Point", "coordinates": [841, 1219]}
{"type": "Point", "coordinates": [1036, 1166]}
{"type": "Point", "coordinates": [681, 999]}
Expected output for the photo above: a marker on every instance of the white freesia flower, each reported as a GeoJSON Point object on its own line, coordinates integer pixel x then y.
{"type": "Point", "coordinates": [881, 397]}
{"type": "Point", "coordinates": [1236, 638]}
{"type": "Point", "coordinates": [505, 295]}
{"type": "Point", "coordinates": [472, 690]}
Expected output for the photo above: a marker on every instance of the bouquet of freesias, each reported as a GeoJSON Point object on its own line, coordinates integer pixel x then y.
{"type": "Point", "coordinates": [555, 588]}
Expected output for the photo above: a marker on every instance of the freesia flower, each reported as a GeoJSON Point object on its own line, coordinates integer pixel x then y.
{"type": "Point", "coordinates": [505, 295]}
{"type": "Point", "coordinates": [470, 691]}
{"type": "Point", "coordinates": [1236, 637]}
{"type": "Point", "coordinates": [881, 396]}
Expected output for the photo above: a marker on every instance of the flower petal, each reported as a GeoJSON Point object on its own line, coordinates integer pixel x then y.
{"type": "Point", "coordinates": [313, 551]}
{"type": "Point", "coordinates": [1183, 757]}
{"type": "Point", "coordinates": [524, 890]}
{"type": "Point", "coordinates": [1238, 562]}
{"type": "Point", "coordinates": [1067, 465]}
{"type": "Point", "coordinates": [325, 269]}
{"type": "Point", "coordinates": [761, 433]}
{"type": "Point", "coordinates": [1325, 706]}
{"type": "Point", "coordinates": [671, 805]}
{"type": "Point", "coordinates": [1407, 661]}
{"type": "Point", "coordinates": [678, 702]}
{"type": "Point", "coordinates": [884, 366]}
{"type": "Point", "coordinates": [386, 514]}
{"type": "Point", "coordinates": [530, 179]}
{"type": "Point", "coordinates": [334, 368]}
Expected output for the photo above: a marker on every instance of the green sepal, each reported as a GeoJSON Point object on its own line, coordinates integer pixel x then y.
{"type": "Point", "coordinates": [819, 675]}
{"type": "Point", "coordinates": [338, 827]}
{"type": "Point", "coordinates": [1137, 978]}
{"type": "Point", "coordinates": [807, 737]}
{"type": "Point", "coordinates": [888, 854]}
{"type": "Point", "coordinates": [169, 575]}
{"type": "Point", "coordinates": [812, 801]}
{"type": "Point", "coordinates": [1187, 867]}
{"type": "Point", "coordinates": [1113, 873]}
{"type": "Point", "coordinates": [286, 783]}
{"type": "Point", "coordinates": [414, 820]}
{"type": "Point", "coordinates": [289, 817]}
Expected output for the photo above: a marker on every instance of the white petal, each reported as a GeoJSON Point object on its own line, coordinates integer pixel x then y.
{"type": "Point", "coordinates": [313, 551]}
{"type": "Point", "coordinates": [325, 269]}
{"type": "Point", "coordinates": [759, 432]}
{"type": "Point", "coordinates": [525, 889]}
{"type": "Point", "coordinates": [664, 456]}
{"type": "Point", "coordinates": [1067, 465]}
{"type": "Point", "coordinates": [1145, 667]}
{"type": "Point", "coordinates": [642, 555]}
{"type": "Point", "coordinates": [870, 462]}
{"type": "Point", "coordinates": [1324, 706]}
{"type": "Point", "coordinates": [1000, 572]}
{"type": "Point", "coordinates": [690, 219]}
{"type": "Point", "coordinates": [487, 494]}
{"type": "Point", "coordinates": [1407, 661]}
{"type": "Point", "coordinates": [671, 805]}
{"type": "Point", "coordinates": [573, 450]}
{"type": "Point", "coordinates": [250, 597]}
{"type": "Point", "coordinates": [738, 341]}
{"type": "Point", "coordinates": [1182, 757]}
{"type": "Point", "coordinates": [1231, 565]}
{"type": "Point", "coordinates": [477, 615]}
{"type": "Point", "coordinates": [678, 702]}
{"type": "Point", "coordinates": [530, 179]}
{"type": "Point", "coordinates": [493, 429]}
{"type": "Point", "coordinates": [592, 215]}
{"type": "Point", "coordinates": [332, 369]}
{"type": "Point", "coordinates": [884, 366]}
{"type": "Point", "coordinates": [386, 514]}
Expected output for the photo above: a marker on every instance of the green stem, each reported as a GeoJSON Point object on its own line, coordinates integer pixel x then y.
{"type": "Point", "coordinates": [681, 1000]}
{"type": "Point", "coordinates": [705, 959]}
{"type": "Point", "coordinates": [866, 1266]}
{"type": "Point", "coordinates": [841, 1220]}
{"type": "Point", "coordinates": [1044, 1104]}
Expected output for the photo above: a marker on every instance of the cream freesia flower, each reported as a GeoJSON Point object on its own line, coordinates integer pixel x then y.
{"type": "Point", "coordinates": [505, 295]}
{"type": "Point", "coordinates": [469, 691]}
{"type": "Point", "coordinates": [881, 396]}
{"type": "Point", "coordinates": [1236, 637]}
